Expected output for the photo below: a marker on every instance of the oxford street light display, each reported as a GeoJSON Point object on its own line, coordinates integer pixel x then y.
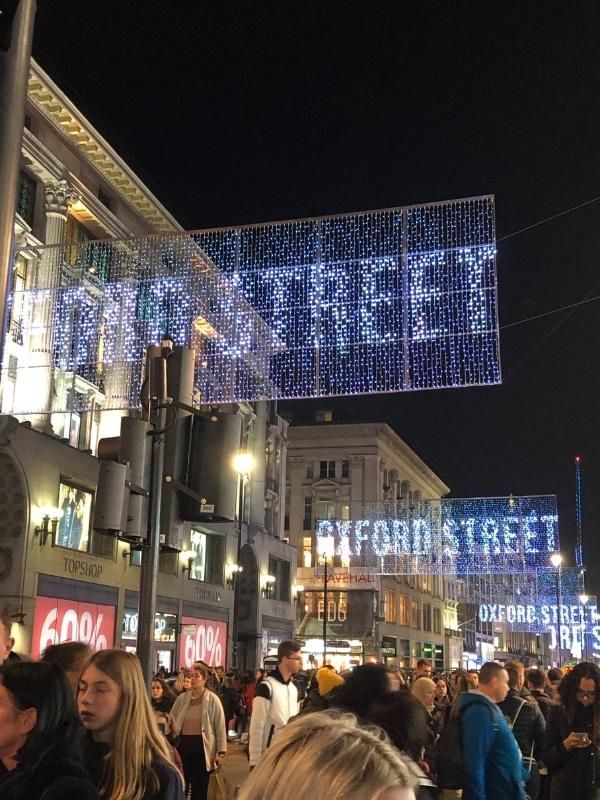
{"type": "Point", "coordinates": [401, 299]}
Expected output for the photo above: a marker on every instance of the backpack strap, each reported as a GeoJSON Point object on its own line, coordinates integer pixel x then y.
{"type": "Point", "coordinates": [515, 718]}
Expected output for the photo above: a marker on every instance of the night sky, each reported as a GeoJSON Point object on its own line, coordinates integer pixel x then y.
{"type": "Point", "coordinates": [238, 113]}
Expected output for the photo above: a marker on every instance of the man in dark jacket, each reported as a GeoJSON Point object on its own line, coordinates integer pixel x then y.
{"type": "Point", "coordinates": [536, 681]}
{"type": "Point", "coordinates": [528, 725]}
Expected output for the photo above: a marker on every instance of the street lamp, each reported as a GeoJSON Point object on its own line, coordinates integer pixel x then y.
{"type": "Point", "coordinates": [584, 599]}
{"type": "Point", "coordinates": [243, 464]}
{"type": "Point", "coordinates": [556, 561]}
{"type": "Point", "coordinates": [325, 550]}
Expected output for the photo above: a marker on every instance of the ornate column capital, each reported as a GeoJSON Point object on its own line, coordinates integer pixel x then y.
{"type": "Point", "coordinates": [60, 196]}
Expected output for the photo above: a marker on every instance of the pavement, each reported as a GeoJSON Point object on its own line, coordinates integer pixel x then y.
{"type": "Point", "coordinates": [235, 765]}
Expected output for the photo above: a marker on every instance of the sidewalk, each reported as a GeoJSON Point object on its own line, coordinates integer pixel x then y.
{"type": "Point", "coordinates": [235, 765]}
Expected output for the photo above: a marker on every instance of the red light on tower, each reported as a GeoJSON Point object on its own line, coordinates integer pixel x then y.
{"type": "Point", "coordinates": [578, 459]}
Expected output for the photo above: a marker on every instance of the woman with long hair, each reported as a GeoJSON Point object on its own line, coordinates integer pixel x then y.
{"type": "Point", "coordinates": [198, 719]}
{"type": "Point", "coordinates": [572, 744]}
{"type": "Point", "coordinates": [183, 682]}
{"type": "Point", "coordinates": [162, 696]}
{"type": "Point", "coordinates": [323, 755]}
{"type": "Point", "coordinates": [38, 735]}
{"type": "Point", "coordinates": [127, 756]}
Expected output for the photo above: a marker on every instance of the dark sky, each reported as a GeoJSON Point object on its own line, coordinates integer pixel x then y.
{"type": "Point", "coordinates": [236, 113]}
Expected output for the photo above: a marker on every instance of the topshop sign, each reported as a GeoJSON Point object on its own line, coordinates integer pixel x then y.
{"type": "Point", "coordinates": [479, 536]}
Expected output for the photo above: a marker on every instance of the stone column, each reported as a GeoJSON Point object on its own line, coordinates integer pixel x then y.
{"type": "Point", "coordinates": [44, 280]}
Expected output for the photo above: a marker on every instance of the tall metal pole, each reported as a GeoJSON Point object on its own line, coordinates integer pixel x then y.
{"type": "Point", "coordinates": [236, 586]}
{"type": "Point", "coordinates": [558, 604]}
{"type": "Point", "coordinates": [325, 613]}
{"type": "Point", "coordinates": [14, 72]}
{"type": "Point", "coordinates": [156, 370]}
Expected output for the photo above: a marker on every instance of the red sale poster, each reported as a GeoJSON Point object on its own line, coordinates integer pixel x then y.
{"type": "Point", "coordinates": [202, 640]}
{"type": "Point", "coordinates": [57, 621]}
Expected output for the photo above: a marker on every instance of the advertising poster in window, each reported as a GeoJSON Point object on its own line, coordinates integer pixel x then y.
{"type": "Point", "coordinates": [198, 547]}
{"type": "Point", "coordinates": [349, 615]}
{"type": "Point", "coordinates": [76, 512]}
{"type": "Point", "coordinates": [202, 640]}
{"type": "Point", "coordinates": [56, 621]}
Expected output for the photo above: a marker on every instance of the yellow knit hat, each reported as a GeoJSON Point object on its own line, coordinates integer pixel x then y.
{"type": "Point", "coordinates": [328, 679]}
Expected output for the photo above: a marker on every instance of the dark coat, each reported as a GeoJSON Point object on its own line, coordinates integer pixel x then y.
{"type": "Point", "coordinates": [54, 775]}
{"type": "Point", "coordinates": [544, 701]}
{"type": "Point", "coordinates": [574, 774]}
{"type": "Point", "coordinates": [530, 726]}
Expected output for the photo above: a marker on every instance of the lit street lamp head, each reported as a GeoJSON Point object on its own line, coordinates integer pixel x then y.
{"type": "Point", "coordinates": [243, 463]}
{"type": "Point", "coordinates": [556, 560]}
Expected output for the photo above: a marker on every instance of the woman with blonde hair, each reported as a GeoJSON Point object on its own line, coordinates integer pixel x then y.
{"type": "Point", "coordinates": [126, 754]}
{"type": "Point", "coordinates": [423, 690]}
{"type": "Point", "coordinates": [183, 682]}
{"type": "Point", "coordinates": [322, 755]}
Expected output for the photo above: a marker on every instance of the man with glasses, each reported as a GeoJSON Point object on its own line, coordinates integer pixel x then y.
{"type": "Point", "coordinates": [275, 702]}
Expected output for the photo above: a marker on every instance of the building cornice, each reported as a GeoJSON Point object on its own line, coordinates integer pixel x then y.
{"type": "Point", "coordinates": [45, 96]}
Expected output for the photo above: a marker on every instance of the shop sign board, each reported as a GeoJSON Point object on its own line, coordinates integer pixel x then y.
{"type": "Point", "coordinates": [57, 621]}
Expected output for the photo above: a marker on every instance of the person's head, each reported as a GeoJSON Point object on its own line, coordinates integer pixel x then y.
{"type": "Point", "coordinates": [288, 655]}
{"type": "Point", "coordinates": [114, 708]}
{"type": "Point", "coordinates": [220, 672]}
{"type": "Point", "coordinates": [36, 708]}
{"type": "Point", "coordinates": [536, 679]}
{"type": "Point", "coordinates": [328, 681]}
{"type": "Point", "coordinates": [401, 717]}
{"type": "Point", "coordinates": [366, 684]}
{"type": "Point", "coordinates": [183, 682]}
{"type": "Point", "coordinates": [160, 690]}
{"type": "Point", "coordinates": [474, 675]}
{"type": "Point", "coordinates": [329, 756]}
{"type": "Point", "coordinates": [454, 678]}
{"type": "Point", "coordinates": [423, 669]}
{"type": "Point", "coordinates": [516, 674]}
{"type": "Point", "coordinates": [199, 677]}
{"type": "Point", "coordinates": [580, 686]}
{"type": "Point", "coordinates": [69, 657]}
{"type": "Point", "coordinates": [259, 675]}
{"type": "Point", "coordinates": [555, 675]}
{"type": "Point", "coordinates": [424, 691]}
{"type": "Point", "coordinates": [441, 689]}
{"type": "Point", "coordinates": [493, 681]}
{"type": "Point", "coordinates": [6, 642]}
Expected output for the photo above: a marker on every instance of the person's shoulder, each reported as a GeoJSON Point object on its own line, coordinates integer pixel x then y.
{"type": "Point", "coordinates": [264, 689]}
{"type": "Point", "coordinates": [169, 778]}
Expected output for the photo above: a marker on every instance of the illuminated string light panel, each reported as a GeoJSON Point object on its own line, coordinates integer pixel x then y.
{"type": "Point", "coordinates": [463, 537]}
{"type": "Point", "coordinates": [385, 301]}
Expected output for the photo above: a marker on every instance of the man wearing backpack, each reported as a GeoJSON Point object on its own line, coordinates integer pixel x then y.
{"type": "Point", "coordinates": [492, 763]}
{"type": "Point", "coordinates": [276, 700]}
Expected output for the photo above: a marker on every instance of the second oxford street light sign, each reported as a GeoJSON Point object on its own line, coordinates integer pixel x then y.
{"type": "Point", "coordinates": [455, 536]}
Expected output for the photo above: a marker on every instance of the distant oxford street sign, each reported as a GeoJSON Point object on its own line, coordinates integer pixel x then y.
{"type": "Point", "coordinates": [395, 300]}
{"type": "Point", "coordinates": [450, 536]}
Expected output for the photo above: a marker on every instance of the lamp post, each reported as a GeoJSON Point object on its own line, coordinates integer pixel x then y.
{"type": "Point", "coordinates": [243, 464]}
{"type": "Point", "coordinates": [325, 551]}
{"type": "Point", "coordinates": [556, 561]}
{"type": "Point", "coordinates": [583, 599]}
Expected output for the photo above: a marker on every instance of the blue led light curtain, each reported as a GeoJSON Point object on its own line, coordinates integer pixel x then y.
{"type": "Point", "coordinates": [469, 536]}
{"type": "Point", "coordinates": [383, 301]}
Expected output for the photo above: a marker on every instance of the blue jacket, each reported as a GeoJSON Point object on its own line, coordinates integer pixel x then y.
{"type": "Point", "coordinates": [492, 760]}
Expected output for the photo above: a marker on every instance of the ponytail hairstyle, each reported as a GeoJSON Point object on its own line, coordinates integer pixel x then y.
{"type": "Point", "coordinates": [128, 768]}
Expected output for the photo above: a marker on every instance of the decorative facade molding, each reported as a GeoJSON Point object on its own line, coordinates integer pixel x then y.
{"type": "Point", "coordinates": [60, 196]}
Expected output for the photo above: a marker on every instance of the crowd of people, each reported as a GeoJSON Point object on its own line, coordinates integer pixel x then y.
{"type": "Point", "coordinates": [82, 724]}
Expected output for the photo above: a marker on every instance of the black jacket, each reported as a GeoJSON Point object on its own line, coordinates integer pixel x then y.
{"type": "Point", "coordinates": [54, 774]}
{"type": "Point", "coordinates": [528, 724]}
{"type": "Point", "coordinates": [544, 701]}
{"type": "Point", "coordinates": [574, 774]}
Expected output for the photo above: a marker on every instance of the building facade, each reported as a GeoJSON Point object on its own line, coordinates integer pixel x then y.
{"type": "Point", "coordinates": [62, 579]}
{"type": "Point", "coordinates": [334, 472]}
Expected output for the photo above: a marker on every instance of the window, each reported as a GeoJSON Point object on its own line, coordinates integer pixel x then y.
{"type": "Point", "coordinates": [437, 620]}
{"type": "Point", "coordinates": [426, 617]}
{"type": "Point", "coordinates": [74, 525]}
{"type": "Point", "coordinates": [345, 469]}
{"type": "Point", "coordinates": [26, 197]}
{"type": "Point", "coordinates": [280, 570]}
{"type": "Point", "coordinates": [403, 610]}
{"type": "Point", "coordinates": [327, 469]}
{"type": "Point", "coordinates": [415, 622]}
{"type": "Point", "coordinates": [105, 199]}
{"type": "Point", "coordinates": [310, 471]}
{"type": "Point", "coordinates": [324, 416]}
{"type": "Point", "coordinates": [209, 558]}
{"type": "Point", "coordinates": [389, 609]}
{"type": "Point", "coordinates": [308, 513]}
{"type": "Point", "coordinates": [307, 551]}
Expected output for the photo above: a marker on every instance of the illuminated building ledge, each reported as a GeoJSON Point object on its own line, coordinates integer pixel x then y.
{"type": "Point", "coordinates": [56, 107]}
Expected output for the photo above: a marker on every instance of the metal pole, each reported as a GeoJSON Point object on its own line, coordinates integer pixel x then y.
{"type": "Point", "coordinates": [558, 604]}
{"type": "Point", "coordinates": [236, 585]}
{"type": "Point", "coordinates": [14, 72]}
{"type": "Point", "coordinates": [325, 613]}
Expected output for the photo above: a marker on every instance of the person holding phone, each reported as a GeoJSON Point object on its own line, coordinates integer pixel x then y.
{"type": "Point", "coordinates": [571, 751]}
